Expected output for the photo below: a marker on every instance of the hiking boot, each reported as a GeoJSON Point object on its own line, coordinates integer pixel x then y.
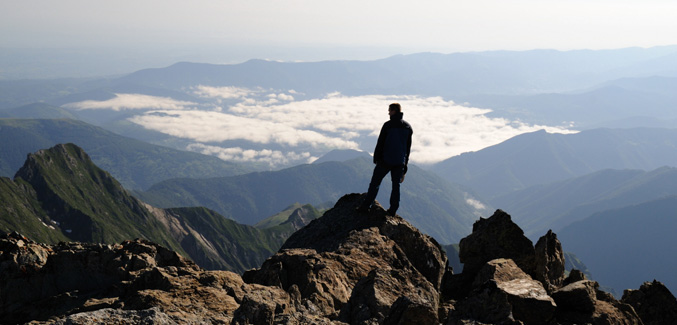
{"type": "Point", "coordinates": [390, 212]}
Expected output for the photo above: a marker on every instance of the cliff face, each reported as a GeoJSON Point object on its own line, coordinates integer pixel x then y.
{"type": "Point", "coordinates": [343, 268]}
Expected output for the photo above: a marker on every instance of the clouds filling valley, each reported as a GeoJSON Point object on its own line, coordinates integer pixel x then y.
{"type": "Point", "coordinates": [264, 126]}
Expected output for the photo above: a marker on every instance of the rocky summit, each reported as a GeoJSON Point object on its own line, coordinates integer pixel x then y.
{"type": "Point", "coordinates": [343, 268]}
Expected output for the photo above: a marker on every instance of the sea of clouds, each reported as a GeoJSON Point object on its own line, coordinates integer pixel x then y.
{"type": "Point", "coordinates": [274, 128]}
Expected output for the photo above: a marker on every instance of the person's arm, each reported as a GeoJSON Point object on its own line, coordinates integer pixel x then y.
{"type": "Point", "coordinates": [406, 159]}
{"type": "Point", "coordinates": [380, 143]}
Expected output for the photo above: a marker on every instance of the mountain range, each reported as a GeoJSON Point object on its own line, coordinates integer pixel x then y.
{"type": "Point", "coordinates": [566, 182]}
{"type": "Point", "coordinates": [626, 102]}
{"type": "Point", "coordinates": [559, 204]}
{"type": "Point", "coordinates": [136, 164]}
{"type": "Point", "coordinates": [428, 74]}
{"type": "Point", "coordinates": [569, 89]}
{"type": "Point", "coordinates": [541, 157]}
{"type": "Point", "coordinates": [622, 246]}
{"type": "Point", "coordinates": [61, 195]}
{"type": "Point", "coordinates": [439, 208]}
{"type": "Point", "coordinates": [38, 111]}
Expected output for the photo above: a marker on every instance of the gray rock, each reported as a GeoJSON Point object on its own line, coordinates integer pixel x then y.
{"type": "Point", "coordinates": [496, 237]}
{"type": "Point", "coordinates": [501, 280]}
{"type": "Point", "coordinates": [579, 296]}
{"type": "Point", "coordinates": [549, 261]}
{"type": "Point", "coordinates": [653, 302]}
{"type": "Point", "coordinates": [356, 265]}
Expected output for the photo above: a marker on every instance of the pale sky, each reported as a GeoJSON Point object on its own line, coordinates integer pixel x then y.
{"type": "Point", "coordinates": [363, 26]}
{"type": "Point", "coordinates": [310, 30]}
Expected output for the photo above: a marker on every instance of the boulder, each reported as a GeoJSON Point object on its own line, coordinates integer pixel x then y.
{"type": "Point", "coordinates": [549, 261]}
{"type": "Point", "coordinates": [579, 296]}
{"type": "Point", "coordinates": [502, 290]}
{"type": "Point", "coordinates": [336, 227]}
{"type": "Point", "coordinates": [574, 276]}
{"type": "Point", "coordinates": [374, 296]}
{"type": "Point", "coordinates": [496, 237]}
{"type": "Point", "coordinates": [321, 282]}
{"type": "Point", "coordinates": [653, 302]}
{"type": "Point", "coordinates": [119, 316]}
{"type": "Point", "coordinates": [407, 311]}
{"type": "Point", "coordinates": [261, 305]}
{"type": "Point", "coordinates": [73, 282]}
{"type": "Point", "coordinates": [582, 302]}
{"type": "Point", "coordinates": [355, 266]}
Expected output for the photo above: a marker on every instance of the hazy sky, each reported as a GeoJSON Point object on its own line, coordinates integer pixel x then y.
{"type": "Point", "coordinates": [301, 29]}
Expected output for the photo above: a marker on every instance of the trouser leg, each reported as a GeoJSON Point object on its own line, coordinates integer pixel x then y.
{"type": "Point", "coordinates": [376, 178]}
{"type": "Point", "coordinates": [395, 176]}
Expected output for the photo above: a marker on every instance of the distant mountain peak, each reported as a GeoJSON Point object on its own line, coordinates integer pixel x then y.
{"type": "Point", "coordinates": [61, 195]}
{"type": "Point", "coordinates": [85, 200]}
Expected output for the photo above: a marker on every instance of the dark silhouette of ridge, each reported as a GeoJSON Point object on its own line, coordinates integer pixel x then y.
{"type": "Point", "coordinates": [346, 267]}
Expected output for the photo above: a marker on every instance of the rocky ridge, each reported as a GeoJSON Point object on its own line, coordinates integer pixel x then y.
{"type": "Point", "coordinates": [61, 195]}
{"type": "Point", "coordinates": [343, 268]}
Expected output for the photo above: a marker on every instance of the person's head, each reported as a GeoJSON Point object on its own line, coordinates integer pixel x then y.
{"type": "Point", "coordinates": [394, 108]}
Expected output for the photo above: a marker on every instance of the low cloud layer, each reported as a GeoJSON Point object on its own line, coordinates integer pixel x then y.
{"type": "Point", "coordinates": [212, 126]}
{"type": "Point", "coordinates": [133, 101]}
{"type": "Point", "coordinates": [283, 131]}
{"type": "Point", "coordinates": [272, 158]}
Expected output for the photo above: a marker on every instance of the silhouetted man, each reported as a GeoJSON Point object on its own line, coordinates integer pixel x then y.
{"type": "Point", "coordinates": [390, 156]}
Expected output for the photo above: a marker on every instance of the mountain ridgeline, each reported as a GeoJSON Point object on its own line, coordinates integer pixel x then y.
{"type": "Point", "coordinates": [559, 204]}
{"type": "Point", "coordinates": [135, 164]}
{"type": "Point", "coordinates": [61, 195]}
{"type": "Point", "coordinates": [449, 75]}
{"type": "Point", "coordinates": [625, 246]}
{"type": "Point", "coordinates": [439, 208]}
{"type": "Point", "coordinates": [540, 158]}
{"type": "Point", "coordinates": [454, 75]}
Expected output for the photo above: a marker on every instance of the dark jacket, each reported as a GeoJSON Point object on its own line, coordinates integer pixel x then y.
{"type": "Point", "coordinates": [394, 142]}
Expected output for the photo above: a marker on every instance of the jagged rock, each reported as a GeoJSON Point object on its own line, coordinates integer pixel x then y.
{"type": "Point", "coordinates": [407, 311]}
{"type": "Point", "coordinates": [501, 281]}
{"type": "Point", "coordinates": [574, 276]}
{"type": "Point", "coordinates": [40, 282]}
{"type": "Point", "coordinates": [321, 280]}
{"type": "Point", "coordinates": [578, 296]}
{"type": "Point", "coordinates": [110, 316]}
{"type": "Point", "coordinates": [549, 261]}
{"type": "Point", "coordinates": [260, 306]}
{"type": "Point", "coordinates": [344, 268]}
{"type": "Point", "coordinates": [582, 302]}
{"type": "Point", "coordinates": [496, 237]}
{"type": "Point", "coordinates": [653, 302]}
{"type": "Point", "coordinates": [356, 264]}
{"type": "Point", "coordinates": [336, 227]}
{"type": "Point", "coordinates": [610, 311]}
{"type": "Point", "coordinates": [488, 305]}
{"type": "Point", "coordinates": [373, 298]}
